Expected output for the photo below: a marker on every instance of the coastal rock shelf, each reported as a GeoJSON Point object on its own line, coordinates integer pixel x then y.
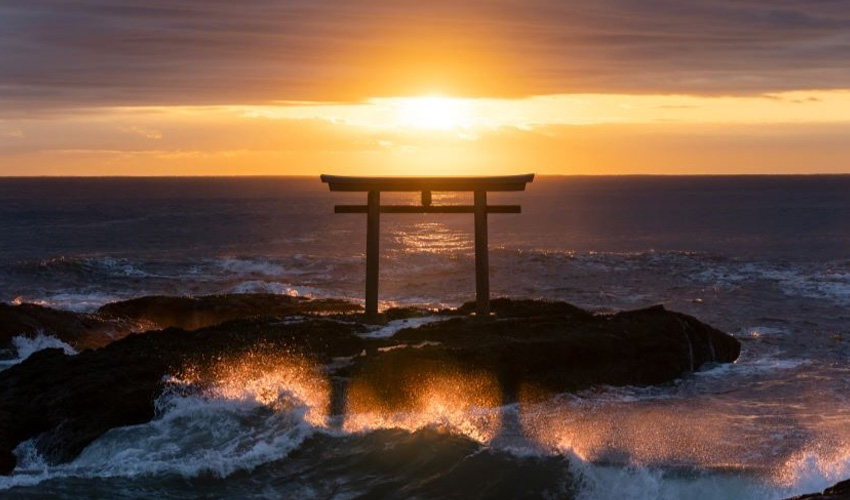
{"type": "Point", "coordinates": [839, 491]}
{"type": "Point", "coordinates": [337, 364]}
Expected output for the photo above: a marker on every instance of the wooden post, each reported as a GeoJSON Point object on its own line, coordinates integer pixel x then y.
{"type": "Point", "coordinates": [482, 264]}
{"type": "Point", "coordinates": [373, 236]}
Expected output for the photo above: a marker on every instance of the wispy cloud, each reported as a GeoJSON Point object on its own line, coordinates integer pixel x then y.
{"type": "Point", "coordinates": [58, 53]}
{"type": "Point", "coordinates": [15, 133]}
{"type": "Point", "coordinates": [147, 133]}
{"type": "Point", "coordinates": [229, 141]}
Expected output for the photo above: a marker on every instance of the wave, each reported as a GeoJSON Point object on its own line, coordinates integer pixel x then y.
{"type": "Point", "coordinates": [196, 436]}
{"type": "Point", "coordinates": [231, 440]}
{"type": "Point", "coordinates": [25, 346]}
{"type": "Point", "coordinates": [602, 281]}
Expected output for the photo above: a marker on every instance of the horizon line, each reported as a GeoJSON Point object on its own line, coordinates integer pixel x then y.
{"type": "Point", "coordinates": [308, 176]}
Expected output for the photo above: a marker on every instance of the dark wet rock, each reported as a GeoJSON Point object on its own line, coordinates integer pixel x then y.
{"type": "Point", "coordinates": [528, 347]}
{"type": "Point", "coordinates": [524, 308]}
{"type": "Point", "coordinates": [68, 401]}
{"type": "Point", "coordinates": [839, 491]}
{"type": "Point", "coordinates": [81, 331]}
{"type": "Point", "coordinates": [549, 347]}
{"type": "Point", "coordinates": [191, 313]}
{"type": "Point", "coordinates": [118, 319]}
{"type": "Point", "coordinates": [7, 459]}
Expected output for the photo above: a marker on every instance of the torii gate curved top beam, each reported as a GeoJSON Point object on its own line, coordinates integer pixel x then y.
{"type": "Point", "coordinates": [477, 185]}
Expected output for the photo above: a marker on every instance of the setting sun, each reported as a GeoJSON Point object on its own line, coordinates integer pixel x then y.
{"type": "Point", "coordinates": [432, 112]}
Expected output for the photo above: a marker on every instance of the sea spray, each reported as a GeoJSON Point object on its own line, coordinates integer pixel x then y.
{"type": "Point", "coordinates": [25, 346]}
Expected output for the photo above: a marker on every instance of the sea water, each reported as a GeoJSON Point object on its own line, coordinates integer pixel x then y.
{"type": "Point", "coordinates": [765, 258]}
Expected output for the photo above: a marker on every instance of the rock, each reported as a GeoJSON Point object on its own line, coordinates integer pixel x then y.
{"type": "Point", "coordinates": [191, 313]}
{"type": "Point", "coordinates": [839, 491]}
{"type": "Point", "coordinates": [550, 347]}
{"type": "Point", "coordinates": [7, 459]}
{"type": "Point", "coordinates": [529, 348]}
{"type": "Point", "coordinates": [68, 401]}
{"type": "Point", "coordinates": [7, 462]}
{"type": "Point", "coordinates": [81, 331]}
{"type": "Point", "coordinates": [118, 319]}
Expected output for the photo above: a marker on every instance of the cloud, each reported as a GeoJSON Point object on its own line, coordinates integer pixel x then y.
{"type": "Point", "coordinates": [147, 133]}
{"type": "Point", "coordinates": [59, 53]}
{"type": "Point", "coordinates": [230, 143]}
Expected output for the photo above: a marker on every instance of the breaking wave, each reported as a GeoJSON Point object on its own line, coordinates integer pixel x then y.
{"type": "Point", "coordinates": [24, 346]}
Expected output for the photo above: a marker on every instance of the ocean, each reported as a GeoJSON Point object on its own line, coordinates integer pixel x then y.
{"type": "Point", "coordinates": [765, 258]}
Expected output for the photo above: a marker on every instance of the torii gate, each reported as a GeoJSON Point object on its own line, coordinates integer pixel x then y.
{"type": "Point", "coordinates": [478, 185]}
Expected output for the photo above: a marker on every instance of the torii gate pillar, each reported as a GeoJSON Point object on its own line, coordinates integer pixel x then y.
{"type": "Point", "coordinates": [482, 256]}
{"type": "Point", "coordinates": [479, 186]}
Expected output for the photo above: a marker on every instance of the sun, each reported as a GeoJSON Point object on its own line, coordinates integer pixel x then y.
{"type": "Point", "coordinates": [432, 112]}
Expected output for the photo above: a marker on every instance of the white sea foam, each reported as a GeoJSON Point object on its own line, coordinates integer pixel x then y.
{"type": "Point", "coordinates": [810, 470]}
{"type": "Point", "coordinates": [813, 470]}
{"type": "Point", "coordinates": [260, 286]}
{"type": "Point", "coordinates": [243, 266]}
{"type": "Point", "coordinates": [76, 302]}
{"type": "Point", "coordinates": [816, 281]}
{"type": "Point", "coordinates": [196, 435]}
{"type": "Point", "coordinates": [395, 326]}
{"type": "Point", "coordinates": [768, 364]}
{"type": "Point", "coordinates": [598, 482]}
{"type": "Point", "coordinates": [26, 346]}
{"type": "Point", "coordinates": [760, 332]}
{"type": "Point", "coordinates": [120, 267]}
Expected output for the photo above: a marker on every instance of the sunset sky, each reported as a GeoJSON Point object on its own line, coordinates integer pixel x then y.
{"type": "Point", "coordinates": [215, 87]}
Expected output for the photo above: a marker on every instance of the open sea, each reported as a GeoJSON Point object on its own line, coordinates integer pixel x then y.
{"type": "Point", "coordinates": [765, 258]}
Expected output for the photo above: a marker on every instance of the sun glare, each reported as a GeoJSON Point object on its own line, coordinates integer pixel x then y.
{"type": "Point", "coordinates": [432, 112]}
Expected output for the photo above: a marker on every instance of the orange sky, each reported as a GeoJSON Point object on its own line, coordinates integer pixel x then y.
{"type": "Point", "coordinates": [287, 87]}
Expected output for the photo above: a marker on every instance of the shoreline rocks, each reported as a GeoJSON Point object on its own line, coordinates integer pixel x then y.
{"type": "Point", "coordinates": [528, 348]}
{"type": "Point", "coordinates": [82, 331]}
{"type": "Point", "coordinates": [838, 491]}
{"type": "Point", "coordinates": [119, 319]}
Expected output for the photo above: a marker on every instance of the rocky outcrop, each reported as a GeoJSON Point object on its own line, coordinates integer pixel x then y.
{"type": "Point", "coordinates": [533, 347]}
{"type": "Point", "coordinates": [549, 347]}
{"type": "Point", "coordinates": [190, 313]}
{"type": "Point", "coordinates": [839, 491]}
{"type": "Point", "coordinates": [82, 331]}
{"type": "Point", "coordinates": [114, 321]}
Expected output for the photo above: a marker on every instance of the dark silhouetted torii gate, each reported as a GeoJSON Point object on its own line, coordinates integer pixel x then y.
{"type": "Point", "coordinates": [426, 185]}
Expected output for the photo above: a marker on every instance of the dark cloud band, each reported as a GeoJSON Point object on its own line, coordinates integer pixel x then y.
{"type": "Point", "coordinates": [56, 53]}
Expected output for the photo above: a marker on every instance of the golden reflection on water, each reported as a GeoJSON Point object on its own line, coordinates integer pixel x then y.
{"type": "Point", "coordinates": [431, 233]}
{"type": "Point", "coordinates": [462, 402]}
{"type": "Point", "coordinates": [279, 381]}
{"type": "Point", "coordinates": [433, 237]}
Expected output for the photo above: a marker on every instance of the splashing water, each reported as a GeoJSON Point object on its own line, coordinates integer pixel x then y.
{"type": "Point", "coordinates": [466, 403]}
{"type": "Point", "coordinates": [25, 346]}
{"type": "Point", "coordinates": [264, 377]}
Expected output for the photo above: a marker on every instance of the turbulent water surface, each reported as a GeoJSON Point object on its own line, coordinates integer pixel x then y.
{"type": "Point", "coordinates": [764, 258]}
